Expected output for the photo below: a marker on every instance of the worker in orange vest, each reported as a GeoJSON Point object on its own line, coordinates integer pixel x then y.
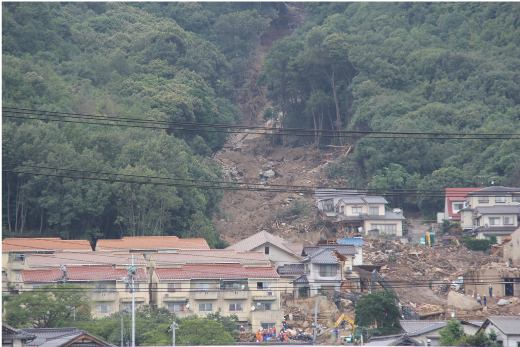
{"type": "Point", "coordinates": [258, 336]}
{"type": "Point", "coordinates": [274, 332]}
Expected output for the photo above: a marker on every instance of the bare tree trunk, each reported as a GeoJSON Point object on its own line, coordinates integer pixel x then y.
{"type": "Point", "coordinates": [338, 116]}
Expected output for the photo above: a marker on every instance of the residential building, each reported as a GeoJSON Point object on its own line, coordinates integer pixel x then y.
{"type": "Point", "coordinates": [455, 201]}
{"type": "Point", "coordinates": [358, 244]}
{"type": "Point", "coordinates": [105, 283]}
{"type": "Point", "coordinates": [12, 337]}
{"type": "Point", "coordinates": [61, 337]}
{"type": "Point", "coordinates": [288, 273]}
{"type": "Point", "coordinates": [149, 244]}
{"type": "Point", "coordinates": [494, 196]}
{"type": "Point", "coordinates": [512, 248]}
{"type": "Point", "coordinates": [504, 280]}
{"type": "Point", "coordinates": [251, 292]}
{"type": "Point", "coordinates": [507, 328]}
{"type": "Point", "coordinates": [15, 250]}
{"type": "Point", "coordinates": [393, 340]}
{"type": "Point", "coordinates": [424, 330]}
{"type": "Point", "coordinates": [279, 251]}
{"type": "Point", "coordinates": [327, 269]}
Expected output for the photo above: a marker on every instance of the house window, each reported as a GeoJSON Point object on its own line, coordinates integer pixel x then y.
{"type": "Point", "coordinates": [373, 211]}
{"type": "Point", "coordinates": [263, 285]}
{"type": "Point", "coordinates": [103, 309]}
{"type": "Point", "coordinates": [172, 287]}
{"type": "Point", "coordinates": [357, 209]}
{"type": "Point", "coordinates": [500, 199]}
{"type": "Point", "coordinates": [19, 257]}
{"type": "Point", "coordinates": [263, 306]}
{"type": "Point", "coordinates": [516, 198]}
{"type": "Point", "coordinates": [342, 209]}
{"type": "Point", "coordinates": [172, 307]}
{"type": "Point", "coordinates": [457, 207]}
{"type": "Point", "coordinates": [483, 199]}
{"type": "Point", "coordinates": [494, 221]}
{"type": "Point", "coordinates": [205, 307]}
{"type": "Point", "coordinates": [17, 277]}
{"type": "Point", "coordinates": [328, 270]}
{"type": "Point", "coordinates": [389, 229]}
{"type": "Point", "coordinates": [268, 326]}
{"type": "Point", "coordinates": [306, 269]}
{"type": "Point", "coordinates": [266, 251]}
{"type": "Point", "coordinates": [235, 307]}
{"type": "Point", "coordinates": [508, 221]}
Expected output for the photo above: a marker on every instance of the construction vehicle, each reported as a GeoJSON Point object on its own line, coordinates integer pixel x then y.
{"type": "Point", "coordinates": [343, 318]}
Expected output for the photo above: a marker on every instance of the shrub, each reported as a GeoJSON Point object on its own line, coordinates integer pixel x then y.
{"type": "Point", "coordinates": [476, 245]}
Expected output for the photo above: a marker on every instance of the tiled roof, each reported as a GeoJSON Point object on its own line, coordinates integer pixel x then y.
{"type": "Point", "coordinates": [291, 269]}
{"type": "Point", "coordinates": [297, 248]}
{"type": "Point", "coordinates": [353, 200]}
{"type": "Point", "coordinates": [80, 273]}
{"type": "Point", "coordinates": [354, 241]}
{"type": "Point", "coordinates": [342, 249]}
{"type": "Point", "coordinates": [215, 271]}
{"type": "Point", "coordinates": [363, 200]}
{"type": "Point", "coordinates": [323, 256]}
{"type": "Point", "coordinates": [9, 332]}
{"type": "Point", "coordinates": [259, 239]}
{"type": "Point", "coordinates": [301, 279]}
{"type": "Point", "coordinates": [344, 217]}
{"type": "Point", "coordinates": [418, 327]}
{"type": "Point", "coordinates": [58, 337]}
{"type": "Point", "coordinates": [499, 230]}
{"type": "Point", "coordinates": [509, 325]}
{"type": "Point", "coordinates": [151, 243]}
{"type": "Point", "coordinates": [45, 244]}
{"type": "Point", "coordinates": [493, 190]}
{"type": "Point", "coordinates": [507, 209]}
{"type": "Point", "coordinates": [320, 194]}
{"type": "Point", "coordinates": [82, 258]}
{"type": "Point", "coordinates": [375, 200]}
{"type": "Point", "coordinates": [388, 215]}
{"type": "Point", "coordinates": [393, 340]}
{"type": "Point", "coordinates": [210, 256]}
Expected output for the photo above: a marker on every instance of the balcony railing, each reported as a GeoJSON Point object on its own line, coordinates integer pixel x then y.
{"type": "Point", "coordinates": [236, 294]}
{"type": "Point", "coordinates": [208, 295]}
{"type": "Point", "coordinates": [104, 296]}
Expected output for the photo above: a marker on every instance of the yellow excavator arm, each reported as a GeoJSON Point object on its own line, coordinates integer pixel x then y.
{"type": "Point", "coordinates": [342, 318]}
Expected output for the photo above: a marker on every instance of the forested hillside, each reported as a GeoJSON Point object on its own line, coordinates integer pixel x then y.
{"type": "Point", "coordinates": [406, 67]}
{"type": "Point", "coordinates": [402, 67]}
{"type": "Point", "coordinates": [179, 62]}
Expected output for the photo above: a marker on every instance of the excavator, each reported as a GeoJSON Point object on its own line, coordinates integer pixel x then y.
{"type": "Point", "coordinates": [342, 318]}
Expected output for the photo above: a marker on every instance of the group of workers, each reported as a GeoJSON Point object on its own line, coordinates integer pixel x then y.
{"type": "Point", "coordinates": [262, 335]}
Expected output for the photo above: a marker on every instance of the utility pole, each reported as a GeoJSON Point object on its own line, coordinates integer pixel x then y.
{"type": "Point", "coordinates": [174, 327]}
{"type": "Point", "coordinates": [131, 274]}
{"type": "Point", "coordinates": [122, 327]}
{"type": "Point", "coordinates": [316, 322]}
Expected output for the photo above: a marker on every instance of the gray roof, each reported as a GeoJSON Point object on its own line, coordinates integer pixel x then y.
{"type": "Point", "coordinates": [493, 190]}
{"type": "Point", "coordinates": [320, 194]}
{"type": "Point", "coordinates": [291, 269]}
{"type": "Point", "coordinates": [323, 256]}
{"type": "Point", "coordinates": [393, 340]}
{"type": "Point", "coordinates": [375, 200]}
{"type": "Point", "coordinates": [418, 327]}
{"type": "Point", "coordinates": [492, 230]}
{"type": "Point", "coordinates": [469, 208]}
{"type": "Point", "coordinates": [363, 200]}
{"type": "Point", "coordinates": [262, 238]}
{"type": "Point", "coordinates": [505, 209]}
{"type": "Point", "coordinates": [353, 200]}
{"type": "Point", "coordinates": [58, 337]}
{"type": "Point", "coordinates": [301, 279]}
{"type": "Point", "coordinates": [509, 325]}
{"type": "Point", "coordinates": [9, 332]}
{"type": "Point", "coordinates": [388, 215]}
{"type": "Point", "coordinates": [342, 249]}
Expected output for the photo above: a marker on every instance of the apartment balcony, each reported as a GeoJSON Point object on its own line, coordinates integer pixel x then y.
{"type": "Point", "coordinates": [267, 296]}
{"type": "Point", "coordinates": [137, 299]}
{"type": "Point", "coordinates": [104, 296]}
{"type": "Point", "coordinates": [236, 295]}
{"type": "Point", "coordinates": [17, 265]}
{"type": "Point", "coordinates": [209, 295]}
{"type": "Point", "coordinates": [170, 298]}
{"type": "Point", "coordinates": [184, 314]}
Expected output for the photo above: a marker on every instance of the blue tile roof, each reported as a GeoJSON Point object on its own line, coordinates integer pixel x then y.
{"type": "Point", "coordinates": [354, 241]}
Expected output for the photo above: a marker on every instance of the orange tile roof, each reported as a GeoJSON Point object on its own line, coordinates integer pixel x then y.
{"type": "Point", "coordinates": [81, 273]}
{"type": "Point", "coordinates": [150, 243]}
{"type": "Point", "coordinates": [210, 256]}
{"type": "Point", "coordinates": [83, 258]}
{"type": "Point", "coordinates": [45, 244]}
{"type": "Point", "coordinates": [215, 271]}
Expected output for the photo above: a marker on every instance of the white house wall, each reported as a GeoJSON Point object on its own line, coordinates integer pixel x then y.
{"type": "Point", "coordinates": [398, 222]}
{"type": "Point", "coordinates": [276, 255]}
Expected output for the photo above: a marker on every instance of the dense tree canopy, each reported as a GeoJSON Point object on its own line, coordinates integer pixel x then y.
{"type": "Point", "coordinates": [380, 309]}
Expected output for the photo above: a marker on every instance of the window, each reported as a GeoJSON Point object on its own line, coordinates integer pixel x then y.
{"type": "Point", "coordinates": [235, 307]}
{"type": "Point", "coordinates": [205, 307]}
{"type": "Point", "coordinates": [328, 270]}
{"type": "Point", "coordinates": [263, 285]}
{"type": "Point", "coordinates": [342, 209]}
{"type": "Point", "coordinates": [174, 307]}
{"type": "Point", "coordinates": [266, 250]}
{"type": "Point", "coordinates": [267, 326]}
{"type": "Point", "coordinates": [373, 211]}
{"type": "Point", "coordinates": [357, 209]}
{"type": "Point", "coordinates": [483, 199]}
{"type": "Point", "coordinates": [457, 207]}
{"type": "Point", "coordinates": [306, 267]}
{"type": "Point", "coordinates": [390, 229]}
{"type": "Point", "coordinates": [263, 306]}
{"type": "Point", "coordinates": [202, 286]}
{"type": "Point", "coordinates": [494, 221]}
{"type": "Point", "coordinates": [500, 199]}
{"type": "Point", "coordinates": [508, 221]}
{"type": "Point", "coordinates": [516, 198]}
{"type": "Point", "coordinates": [105, 308]}
{"type": "Point", "coordinates": [19, 257]}
{"type": "Point", "coordinates": [17, 277]}
{"type": "Point", "coordinates": [172, 287]}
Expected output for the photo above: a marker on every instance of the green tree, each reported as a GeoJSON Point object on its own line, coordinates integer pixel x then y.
{"type": "Point", "coordinates": [379, 308]}
{"type": "Point", "coordinates": [194, 331]}
{"type": "Point", "coordinates": [51, 306]}
{"type": "Point", "coordinates": [451, 333]}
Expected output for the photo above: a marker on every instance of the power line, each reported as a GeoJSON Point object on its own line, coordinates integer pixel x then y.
{"type": "Point", "coordinates": [280, 131]}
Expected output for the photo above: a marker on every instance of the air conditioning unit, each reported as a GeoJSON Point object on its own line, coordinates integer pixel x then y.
{"type": "Point", "coordinates": [270, 293]}
{"type": "Point", "coordinates": [166, 295]}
